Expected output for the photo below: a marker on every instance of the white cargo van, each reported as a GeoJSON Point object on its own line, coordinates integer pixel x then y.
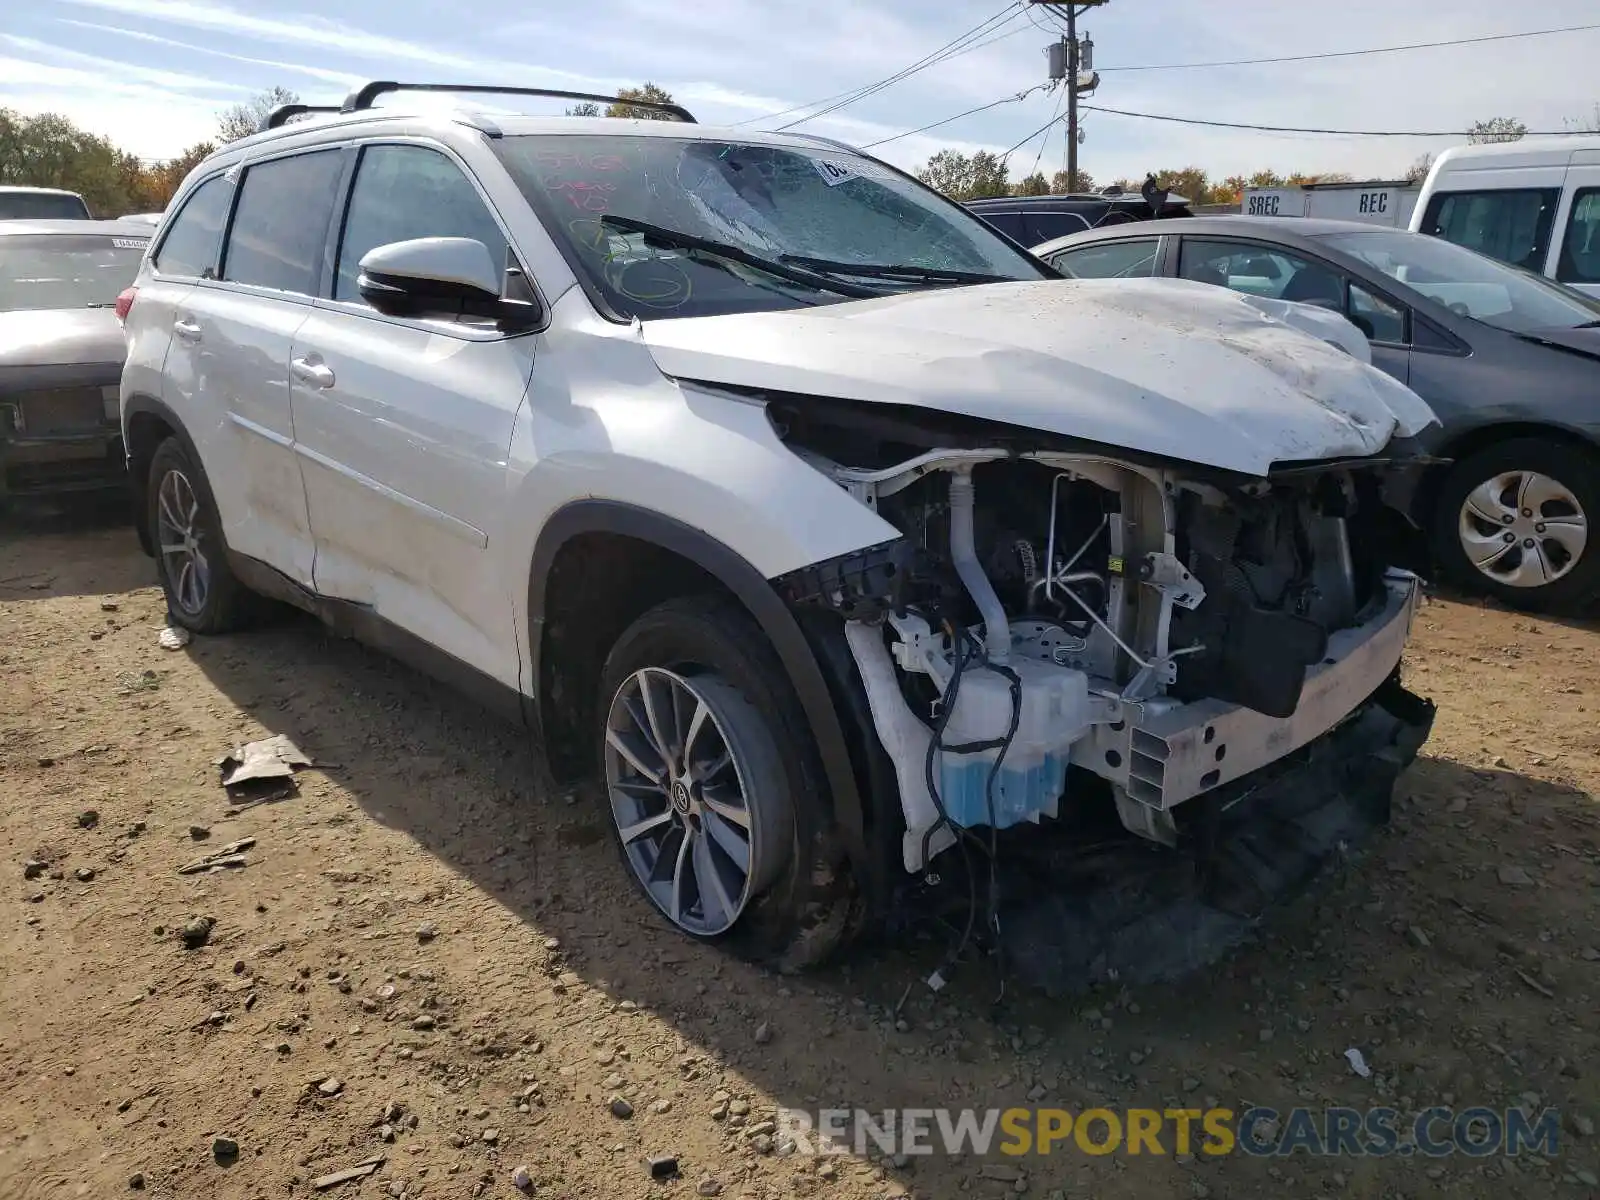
{"type": "Point", "coordinates": [1534, 203]}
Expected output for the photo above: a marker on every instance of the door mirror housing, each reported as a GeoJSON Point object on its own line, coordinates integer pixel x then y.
{"type": "Point", "coordinates": [440, 277]}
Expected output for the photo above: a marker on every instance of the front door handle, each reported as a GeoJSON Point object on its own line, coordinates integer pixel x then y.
{"type": "Point", "coordinates": [186, 329]}
{"type": "Point", "coordinates": [308, 371]}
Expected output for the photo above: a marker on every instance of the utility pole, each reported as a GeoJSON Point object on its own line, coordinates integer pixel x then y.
{"type": "Point", "coordinates": [1067, 60]}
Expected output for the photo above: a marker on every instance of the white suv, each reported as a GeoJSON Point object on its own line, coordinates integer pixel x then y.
{"type": "Point", "coordinates": [825, 525]}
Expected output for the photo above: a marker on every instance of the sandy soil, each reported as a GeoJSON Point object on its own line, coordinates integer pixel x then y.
{"type": "Point", "coordinates": [432, 958]}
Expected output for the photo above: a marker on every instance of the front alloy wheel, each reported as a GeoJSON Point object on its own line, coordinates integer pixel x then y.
{"type": "Point", "coordinates": [694, 795]}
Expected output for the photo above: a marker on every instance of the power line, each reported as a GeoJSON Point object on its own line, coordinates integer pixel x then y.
{"type": "Point", "coordinates": [1290, 58]}
{"type": "Point", "coordinates": [957, 117]}
{"type": "Point", "coordinates": [1415, 133]}
{"type": "Point", "coordinates": [1029, 138]}
{"type": "Point", "coordinates": [1004, 17]}
{"type": "Point", "coordinates": [1037, 157]}
{"type": "Point", "coordinates": [949, 50]}
{"type": "Point", "coordinates": [988, 41]}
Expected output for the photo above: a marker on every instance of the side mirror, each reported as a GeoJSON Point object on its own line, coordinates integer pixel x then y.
{"type": "Point", "coordinates": [439, 277]}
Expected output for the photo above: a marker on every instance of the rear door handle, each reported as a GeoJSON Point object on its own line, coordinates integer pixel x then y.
{"type": "Point", "coordinates": [317, 374]}
{"type": "Point", "coordinates": [187, 330]}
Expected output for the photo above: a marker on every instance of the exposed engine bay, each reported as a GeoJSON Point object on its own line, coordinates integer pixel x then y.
{"type": "Point", "coordinates": [1050, 613]}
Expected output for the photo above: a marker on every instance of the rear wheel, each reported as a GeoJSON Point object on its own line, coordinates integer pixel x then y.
{"type": "Point", "coordinates": [1515, 521]}
{"type": "Point", "coordinates": [202, 593]}
{"type": "Point", "coordinates": [713, 785]}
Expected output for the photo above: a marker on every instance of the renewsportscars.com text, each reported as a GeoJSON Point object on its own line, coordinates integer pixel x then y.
{"type": "Point", "coordinates": [1346, 1132]}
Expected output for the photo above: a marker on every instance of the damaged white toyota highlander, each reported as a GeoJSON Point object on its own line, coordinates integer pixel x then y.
{"type": "Point", "coordinates": [876, 572]}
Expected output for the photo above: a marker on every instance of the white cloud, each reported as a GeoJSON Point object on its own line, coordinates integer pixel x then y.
{"type": "Point", "coordinates": [126, 72]}
{"type": "Point", "coordinates": [343, 78]}
{"type": "Point", "coordinates": [738, 60]}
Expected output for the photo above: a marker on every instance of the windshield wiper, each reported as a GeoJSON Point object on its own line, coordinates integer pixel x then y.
{"type": "Point", "coordinates": [893, 271]}
{"type": "Point", "coordinates": [101, 304]}
{"type": "Point", "coordinates": [674, 239]}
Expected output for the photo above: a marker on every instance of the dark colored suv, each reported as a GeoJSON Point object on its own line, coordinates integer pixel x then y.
{"type": "Point", "coordinates": [1029, 220]}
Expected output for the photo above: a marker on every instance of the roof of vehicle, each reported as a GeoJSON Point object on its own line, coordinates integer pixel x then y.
{"type": "Point", "coordinates": [1289, 229]}
{"type": "Point", "coordinates": [1348, 185]}
{"type": "Point", "coordinates": [126, 228]}
{"type": "Point", "coordinates": [37, 191]}
{"type": "Point", "coordinates": [1059, 197]}
{"type": "Point", "coordinates": [1532, 150]}
{"type": "Point", "coordinates": [511, 124]}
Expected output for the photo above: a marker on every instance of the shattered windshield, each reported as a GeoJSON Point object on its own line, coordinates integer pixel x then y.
{"type": "Point", "coordinates": [677, 227]}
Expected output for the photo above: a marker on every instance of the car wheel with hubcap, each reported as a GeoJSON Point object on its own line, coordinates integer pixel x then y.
{"type": "Point", "coordinates": [1515, 521]}
{"type": "Point", "coordinates": [191, 557]}
{"type": "Point", "coordinates": [713, 787]}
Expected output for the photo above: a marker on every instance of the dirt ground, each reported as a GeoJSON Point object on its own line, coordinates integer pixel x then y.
{"type": "Point", "coordinates": [430, 957]}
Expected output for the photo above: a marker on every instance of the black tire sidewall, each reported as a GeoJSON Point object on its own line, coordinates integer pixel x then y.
{"type": "Point", "coordinates": [224, 607]}
{"type": "Point", "coordinates": [1576, 468]}
{"type": "Point", "coordinates": [717, 635]}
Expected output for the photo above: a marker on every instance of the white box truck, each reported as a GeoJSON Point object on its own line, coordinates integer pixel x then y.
{"type": "Point", "coordinates": [1377, 202]}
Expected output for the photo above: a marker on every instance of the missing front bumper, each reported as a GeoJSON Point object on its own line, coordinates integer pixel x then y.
{"type": "Point", "coordinates": [1165, 753]}
{"type": "Point", "coordinates": [1141, 913]}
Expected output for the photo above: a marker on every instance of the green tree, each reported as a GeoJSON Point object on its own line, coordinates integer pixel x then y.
{"type": "Point", "coordinates": [242, 120]}
{"type": "Point", "coordinates": [1588, 124]}
{"type": "Point", "coordinates": [1060, 185]}
{"type": "Point", "coordinates": [1034, 185]}
{"type": "Point", "coordinates": [48, 150]}
{"type": "Point", "coordinates": [163, 179]}
{"type": "Point", "coordinates": [647, 91]}
{"type": "Point", "coordinates": [587, 109]}
{"type": "Point", "coordinates": [1188, 182]}
{"type": "Point", "coordinates": [1230, 190]}
{"type": "Point", "coordinates": [966, 177]}
{"type": "Point", "coordinates": [1495, 129]}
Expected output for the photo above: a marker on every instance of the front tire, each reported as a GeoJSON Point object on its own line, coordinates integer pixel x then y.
{"type": "Point", "coordinates": [203, 594]}
{"type": "Point", "coordinates": [714, 788]}
{"type": "Point", "coordinates": [1516, 521]}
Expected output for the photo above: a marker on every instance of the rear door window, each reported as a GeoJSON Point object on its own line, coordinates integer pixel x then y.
{"type": "Point", "coordinates": [194, 237]}
{"type": "Point", "coordinates": [1580, 246]}
{"type": "Point", "coordinates": [280, 228]}
{"type": "Point", "coordinates": [1256, 269]}
{"type": "Point", "coordinates": [1511, 224]}
{"type": "Point", "coordinates": [1134, 259]}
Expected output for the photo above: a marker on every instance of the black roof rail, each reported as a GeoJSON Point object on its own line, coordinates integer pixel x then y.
{"type": "Point", "coordinates": [281, 115]}
{"type": "Point", "coordinates": [363, 96]}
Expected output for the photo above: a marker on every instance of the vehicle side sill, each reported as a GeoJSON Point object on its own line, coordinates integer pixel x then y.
{"type": "Point", "coordinates": [360, 623]}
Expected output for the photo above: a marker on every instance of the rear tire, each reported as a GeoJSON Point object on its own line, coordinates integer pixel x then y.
{"type": "Point", "coordinates": [1518, 521]}
{"type": "Point", "coordinates": [203, 595]}
{"type": "Point", "coordinates": [727, 831]}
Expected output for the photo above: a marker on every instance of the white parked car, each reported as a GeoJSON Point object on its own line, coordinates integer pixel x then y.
{"type": "Point", "coordinates": [818, 521]}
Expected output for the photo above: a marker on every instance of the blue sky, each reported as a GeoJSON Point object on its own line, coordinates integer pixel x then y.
{"type": "Point", "coordinates": [152, 74]}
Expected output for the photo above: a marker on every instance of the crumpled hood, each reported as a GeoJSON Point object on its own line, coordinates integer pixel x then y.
{"type": "Point", "coordinates": [59, 337]}
{"type": "Point", "coordinates": [1186, 371]}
